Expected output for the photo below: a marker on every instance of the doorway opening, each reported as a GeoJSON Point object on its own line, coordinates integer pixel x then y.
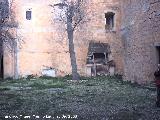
{"type": "Point", "coordinates": [1, 67]}
{"type": "Point", "coordinates": [1, 60]}
{"type": "Point", "coordinates": [158, 54]}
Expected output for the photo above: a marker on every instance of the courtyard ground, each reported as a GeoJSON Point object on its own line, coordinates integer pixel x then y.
{"type": "Point", "coordinates": [100, 98]}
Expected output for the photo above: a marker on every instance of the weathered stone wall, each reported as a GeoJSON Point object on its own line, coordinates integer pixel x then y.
{"type": "Point", "coordinates": [6, 40]}
{"type": "Point", "coordinates": [140, 35]}
{"type": "Point", "coordinates": [43, 46]}
{"type": "Point", "coordinates": [133, 40]}
{"type": "Point", "coordinates": [94, 30]}
{"type": "Point", "coordinates": [45, 43]}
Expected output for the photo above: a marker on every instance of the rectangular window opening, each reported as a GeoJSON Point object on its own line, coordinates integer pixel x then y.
{"type": "Point", "coordinates": [109, 20]}
{"type": "Point", "coordinates": [28, 15]}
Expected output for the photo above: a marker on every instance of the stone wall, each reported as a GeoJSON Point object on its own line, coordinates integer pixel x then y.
{"type": "Point", "coordinates": [94, 30]}
{"type": "Point", "coordinates": [45, 42]}
{"type": "Point", "coordinates": [44, 45]}
{"type": "Point", "coordinates": [133, 40]}
{"type": "Point", "coordinates": [140, 35]}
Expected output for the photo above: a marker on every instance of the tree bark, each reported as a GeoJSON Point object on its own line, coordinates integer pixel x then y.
{"type": "Point", "coordinates": [70, 32]}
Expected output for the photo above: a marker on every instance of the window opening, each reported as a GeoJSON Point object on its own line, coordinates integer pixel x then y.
{"type": "Point", "coordinates": [28, 14]}
{"type": "Point", "coordinates": [109, 20]}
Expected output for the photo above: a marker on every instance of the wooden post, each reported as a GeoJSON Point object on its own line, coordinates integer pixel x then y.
{"type": "Point", "coordinates": [95, 72]}
{"type": "Point", "coordinates": [105, 57]}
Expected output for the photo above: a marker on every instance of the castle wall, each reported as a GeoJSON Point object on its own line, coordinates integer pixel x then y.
{"type": "Point", "coordinates": [94, 30]}
{"type": "Point", "coordinates": [140, 35]}
{"type": "Point", "coordinates": [41, 47]}
{"type": "Point", "coordinates": [44, 42]}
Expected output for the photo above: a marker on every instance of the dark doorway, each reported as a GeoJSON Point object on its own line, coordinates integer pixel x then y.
{"type": "Point", "coordinates": [158, 54]}
{"type": "Point", "coordinates": [1, 68]}
{"type": "Point", "coordinates": [1, 60]}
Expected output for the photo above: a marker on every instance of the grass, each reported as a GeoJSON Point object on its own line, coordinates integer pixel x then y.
{"type": "Point", "coordinates": [100, 98]}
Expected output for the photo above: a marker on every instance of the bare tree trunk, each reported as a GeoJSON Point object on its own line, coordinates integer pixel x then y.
{"type": "Point", "coordinates": [75, 75]}
{"type": "Point", "coordinates": [72, 14]}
